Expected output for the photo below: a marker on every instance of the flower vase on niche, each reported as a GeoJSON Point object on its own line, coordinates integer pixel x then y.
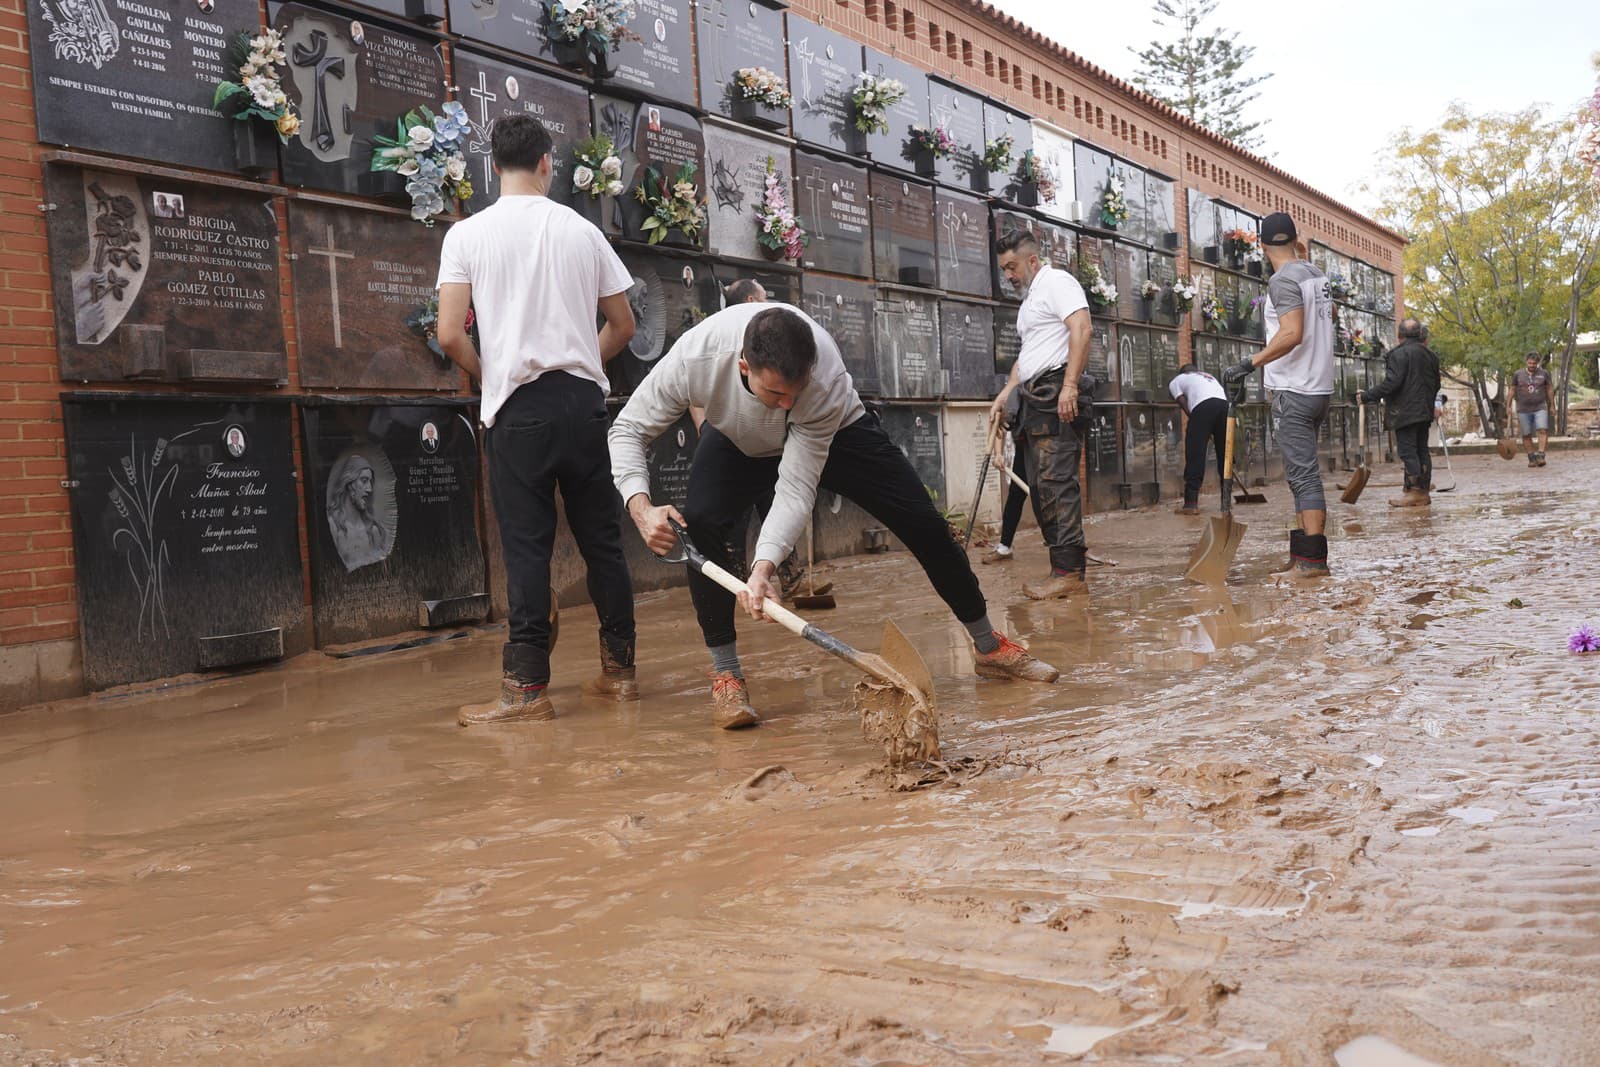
{"type": "Point", "coordinates": [924, 162]}
{"type": "Point", "coordinates": [1253, 268]}
{"type": "Point", "coordinates": [1028, 194]}
{"type": "Point", "coordinates": [980, 179]}
{"type": "Point", "coordinates": [1212, 254]}
{"type": "Point", "coordinates": [574, 55]}
{"type": "Point", "coordinates": [760, 98]}
{"type": "Point", "coordinates": [254, 153]}
{"type": "Point", "coordinates": [755, 113]}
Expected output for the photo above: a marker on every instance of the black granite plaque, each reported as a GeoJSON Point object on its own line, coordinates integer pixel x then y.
{"type": "Point", "coordinates": [668, 296]}
{"type": "Point", "coordinates": [1091, 171]}
{"type": "Point", "coordinates": [1099, 251]}
{"type": "Point", "coordinates": [515, 25]}
{"type": "Point", "coordinates": [1163, 362]}
{"type": "Point", "coordinates": [357, 276]}
{"type": "Point", "coordinates": [1227, 289]}
{"type": "Point", "coordinates": [999, 120]}
{"type": "Point", "coordinates": [660, 63]}
{"type": "Point", "coordinates": [649, 135]}
{"type": "Point", "coordinates": [919, 431]}
{"type": "Point", "coordinates": [1054, 150]}
{"type": "Point", "coordinates": [903, 246]}
{"type": "Point", "coordinates": [1204, 243]}
{"type": "Point", "coordinates": [823, 69]}
{"type": "Point", "coordinates": [1159, 206]}
{"type": "Point", "coordinates": [733, 35]}
{"type": "Point", "coordinates": [392, 514]}
{"type": "Point", "coordinates": [184, 529]}
{"type": "Point", "coordinates": [1133, 363]}
{"type": "Point", "coordinates": [1206, 356]}
{"type": "Point", "coordinates": [163, 280]}
{"type": "Point", "coordinates": [489, 89]}
{"type": "Point", "coordinates": [1252, 322]}
{"type": "Point", "coordinates": [1104, 361]}
{"type": "Point", "coordinates": [1136, 228]}
{"type": "Point", "coordinates": [1170, 452]}
{"type": "Point", "coordinates": [1205, 282]}
{"type": "Point", "coordinates": [1133, 269]}
{"type": "Point", "coordinates": [966, 261]}
{"type": "Point", "coordinates": [350, 80]}
{"type": "Point", "coordinates": [961, 115]}
{"type": "Point", "coordinates": [966, 348]}
{"type": "Point", "coordinates": [835, 208]}
{"type": "Point", "coordinates": [907, 341]}
{"type": "Point", "coordinates": [1164, 272]}
{"type": "Point", "coordinates": [846, 309]}
{"type": "Point", "coordinates": [1003, 221]}
{"type": "Point", "coordinates": [136, 79]}
{"type": "Point", "coordinates": [736, 176]}
{"type": "Point", "coordinates": [1063, 246]}
{"type": "Point", "coordinates": [1103, 459]}
{"type": "Point", "coordinates": [1007, 341]}
{"type": "Point", "coordinates": [667, 459]}
{"type": "Point", "coordinates": [1139, 455]}
{"type": "Point", "coordinates": [888, 147]}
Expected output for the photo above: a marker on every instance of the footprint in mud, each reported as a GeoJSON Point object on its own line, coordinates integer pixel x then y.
{"type": "Point", "coordinates": [773, 781]}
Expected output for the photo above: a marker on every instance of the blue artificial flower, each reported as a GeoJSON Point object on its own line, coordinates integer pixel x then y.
{"type": "Point", "coordinates": [1583, 639]}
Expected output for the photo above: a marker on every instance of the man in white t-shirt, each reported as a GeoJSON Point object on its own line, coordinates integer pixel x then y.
{"type": "Point", "coordinates": [1055, 328]}
{"type": "Point", "coordinates": [783, 416]}
{"type": "Point", "coordinates": [1202, 399]}
{"type": "Point", "coordinates": [535, 271]}
{"type": "Point", "coordinates": [1299, 374]}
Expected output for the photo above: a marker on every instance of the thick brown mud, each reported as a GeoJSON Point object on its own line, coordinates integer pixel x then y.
{"type": "Point", "coordinates": [1352, 824]}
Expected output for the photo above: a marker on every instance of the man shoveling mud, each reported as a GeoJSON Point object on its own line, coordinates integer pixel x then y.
{"type": "Point", "coordinates": [781, 410]}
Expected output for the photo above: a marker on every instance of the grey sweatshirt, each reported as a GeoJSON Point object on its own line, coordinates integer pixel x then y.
{"type": "Point", "coordinates": [702, 370]}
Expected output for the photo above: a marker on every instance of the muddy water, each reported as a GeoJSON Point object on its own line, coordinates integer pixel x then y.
{"type": "Point", "coordinates": [1267, 826]}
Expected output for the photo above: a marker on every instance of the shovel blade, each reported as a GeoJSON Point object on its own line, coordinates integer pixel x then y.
{"type": "Point", "coordinates": [1219, 543]}
{"type": "Point", "coordinates": [1358, 482]}
{"type": "Point", "coordinates": [1507, 448]}
{"type": "Point", "coordinates": [902, 656]}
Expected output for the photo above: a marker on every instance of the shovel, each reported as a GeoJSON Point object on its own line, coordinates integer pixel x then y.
{"type": "Point", "coordinates": [1448, 468]}
{"type": "Point", "coordinates": [1358, 480]}
{"type": "Point", "coordinates": [812, 600]}
{"type": "Point", "coordinates": [1219, 541]}
{"type": "Point", "coordinates": [1244, 495]}
{"type": "Point", "coordinates": [897, 707]}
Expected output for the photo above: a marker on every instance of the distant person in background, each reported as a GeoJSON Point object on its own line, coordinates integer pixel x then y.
{"type": "Point", "coordinates": [1409, 390]}
{"type": "Point", "coordinates": [1206, 404]}
{"type": "Point", "coordinates": [1536, 395]}
{"type": "Point", "coordinates": [1016, 501]}
{"type": "Point", "coordinates": [744, 291]}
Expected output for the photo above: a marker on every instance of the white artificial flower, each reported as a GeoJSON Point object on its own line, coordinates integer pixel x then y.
{"type": "Point", "coordinates": [420, 138]}
{"type": "Point", "coordinates": [408, 168]}
{"type": "Point", "coordinates": [582, 178]}
{"type": "Point", "coordinates": [611, 167]}
{"type": "Point", "coordinates": [456, 168]}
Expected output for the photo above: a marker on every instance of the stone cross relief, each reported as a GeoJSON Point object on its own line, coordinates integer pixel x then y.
{"type": "Point", "coordinates": [480, 129]}
{"type": "Point", "coordinates": [333, 255]}
{"type": "Point", "coordinates": [954, 224]}
{"type": "Point", "coordinates": [816, 184]}
{"type": "Point", "coordinates": [323, 66]}
{"type": "Point", "coordinates": [720, 73]}
{"type": "Point", "coordinates": [807, 56]}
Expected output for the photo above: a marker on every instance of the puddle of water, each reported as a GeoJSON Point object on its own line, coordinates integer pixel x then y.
{"type": "Point", "coordinates": [1474, 816]}
{"type": "Point", "coordinates": [1421, 831]}
{"type": "Point", "coordinates": [1376, 761]}
{"type": "Point", "coordinates": [1370, 1050]}
{"type": "Point", "coordinates": [1077, 1039]}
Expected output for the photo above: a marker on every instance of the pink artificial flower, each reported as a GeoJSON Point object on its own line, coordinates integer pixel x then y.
{"type": "Point", "coordinates": [1583, 639]}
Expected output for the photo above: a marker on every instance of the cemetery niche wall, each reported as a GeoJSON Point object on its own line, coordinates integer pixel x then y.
{"type": "Point", "coordinates": [163, 280]}
{"type": "Point", "coordinates": [392, 517]}
{"type": "Point", "coordinates": [184, 533]}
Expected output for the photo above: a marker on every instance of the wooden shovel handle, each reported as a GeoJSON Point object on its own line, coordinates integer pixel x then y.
{"type": "Point", "coordinates": [1227, 452]}
{"type": "Point", "coordinates": [776, 611]}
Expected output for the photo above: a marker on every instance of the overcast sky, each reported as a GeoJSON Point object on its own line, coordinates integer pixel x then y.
{"type": "Point", "coordinates": [1348, 75]}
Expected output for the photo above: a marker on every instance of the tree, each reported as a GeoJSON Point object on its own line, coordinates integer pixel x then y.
{"type": "Point", "coordinates": [1199, 74]}
{"type": "Point", "coordinates": [1504, 256]}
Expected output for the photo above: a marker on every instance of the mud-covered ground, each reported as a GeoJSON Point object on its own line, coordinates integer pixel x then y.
{"type": "Point", "coordinates": [1356, 824]}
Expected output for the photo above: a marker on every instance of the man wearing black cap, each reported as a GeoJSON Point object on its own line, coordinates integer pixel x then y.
{"type": "Point", "coordinates": [1299, 374]}
{"type": "Point", "coordinates": [1410, 389]}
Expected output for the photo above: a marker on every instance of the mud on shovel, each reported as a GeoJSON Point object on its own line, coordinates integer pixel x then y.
{"type": "Point", "coordinates": [1219, 541]}
{"type": "Point", "coordinates": [896, 706]}
{"type": "Point", "coordinates": [1358, 478]}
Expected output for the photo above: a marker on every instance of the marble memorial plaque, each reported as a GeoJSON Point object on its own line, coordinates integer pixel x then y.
{"type": "Point", "coordinates": [824, 66]}
{"type": "Point", "coordinates": [1133, 193]}
{"type": "Point", "coordinates": [392, 514]}
{"type": "Point", "coordinates": [357, 276]}
{"type": "Point", "coordinates": [1100, 252]}
{"type": "Point", "coordinates": [491, 88]}
{"type": "Point", "coordinates": [781, 286]}
{"type": "Point", "coordinates": [965, 259]}
{"type": "Point", "coordinates": [1133, 364]}
{"type": "Point", "coordinates": [1091, 171]}
{"type": "Point", "coordinates": [1252, 321]}
{"type": "Point", "coordinates": [350, 80]}
{"type": "Point", "coordinates": [1163, 362]}
{"type": "Point", "coordinates": [668, 297]}
{"type": "Point", "coordinates": [919, 431]}
{"type": "Point", "coordinates": [1007, 341]}
{"type": "Point", "coordinates": [1133, 268]}
{"type": "Point", "coordinates": [1205, 283]}
{"type": "Point", "coordinates": [1105, 362]}
{"type": "Point", "coordinates": [1227, 290]}
{"type": "Point", "coordinates": [1204, 242]}
{"type": "Point", "coordinates": [1103, 460]}
{"type": "Point", "coordinates": [515, 25]}
{"type": "Point", "coordinates": [660, 63]}
{"type": "Point", "coordinates": [734, 34]}
{"type": "Point", "coordinates": [1161, 229]}
{"type": "Point", "coordinates": [1170, 455]}
{"type": "Point", "coordinates": [999, 120]}
{"type": "Point", "coordinates": [1054, 149]}
{"type": "Point", "coordinates": [888, 147]}
{"type": "Point", "coordinates": [1139, 454]}
{"type": "Point", "coordinates": [961, 115]}
{"type": "Point", "coordinates": [846, 309]}
{"type": "Point", "coordinates": [903, 244]}
{"type": "Point", "coordinates": [1004, 221]}
{"type": "Point", "coordinates": [649, 135]}
{"type": "Point", "coordinates": [1164, 272]}
{"type": "Point", "coordinates": [835, 208]}
{"type": "Point", "coordinates": [907, 341]}
{"type": "Point", "coordinates": [185, 530]}
{"type": "Point", "coordinates": [736, 176]}
{"type": "Point", "coordinates": [136, 79]}
{"type": "Point", "coordinates": [1063, 246]}
{"type": "Point", "coordinates": [1206, 355]}
{"type": "Point", "coordinates": [163, 280]}
{"type": "Point", "coordinates": [966, 348]}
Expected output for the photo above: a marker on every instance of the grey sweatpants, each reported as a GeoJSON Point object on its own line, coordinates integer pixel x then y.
{"type": "Point", "coordinates": [1296, 420]}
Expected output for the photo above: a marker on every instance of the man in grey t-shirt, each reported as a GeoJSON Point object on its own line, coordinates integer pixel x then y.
{"type": "Point", "coordinates": [1535, 397]}
{"type": "Point", "coordinates": [1299, 374]}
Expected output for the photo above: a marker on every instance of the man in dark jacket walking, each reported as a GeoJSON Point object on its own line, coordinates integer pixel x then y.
{"type": "Point", "coordinates": [1408, 389]}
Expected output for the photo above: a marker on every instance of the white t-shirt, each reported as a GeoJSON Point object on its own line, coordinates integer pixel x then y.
{"type": "Point", "coordinates": [1042, 321]}
{"type": "Point", "coordinates": [1196, 387]}
{"type": "Point", "coordinates": [537, 270]}
{"type": "Point", "coordinates": [1308, 368]}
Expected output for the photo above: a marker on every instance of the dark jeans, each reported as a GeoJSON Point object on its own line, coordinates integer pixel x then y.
{"type": "Point", "coordinates": [1016, 499]}
{"type": "Point", "coordinates": [1052, 449]}
{"type": "Point", "coordinates": [552, 433]}
{"type": "Point", "coordinates": [1411, 442]}
{"type": "Point", "coordinates": [1207, 422]}
{"type": "Point", "coordinates": [863, 466]}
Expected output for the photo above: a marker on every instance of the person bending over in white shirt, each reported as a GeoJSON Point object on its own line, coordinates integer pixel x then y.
{"type": "Point", "coordinates": [1202, 399]}
{"type": "Point", "coordinates": [781, 411]}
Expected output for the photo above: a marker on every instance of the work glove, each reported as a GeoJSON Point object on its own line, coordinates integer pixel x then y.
{"type": "Point", "coordinates": [1238, 372]}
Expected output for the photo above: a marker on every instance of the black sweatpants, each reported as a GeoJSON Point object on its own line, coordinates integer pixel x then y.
{"type": "Point", "coordinates": [1411, 442]}
{"type": "Point", "coordinates": [552, 433]}
{"type": "Point", "coordinates": [1016, 497]}
{"type": "Point", "coordinates": [863, 466]}
{"type": "Point", "coordinates": [1207, 422]}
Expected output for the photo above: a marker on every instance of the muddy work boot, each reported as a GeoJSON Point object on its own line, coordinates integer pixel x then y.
{"type": "Point", "coordinates": [1308, 556]}
{"type": "Point", "coordinates": [1411, 498]}
{"type": "Point", "coordinates": [999, 554]}
{"type": "Point", "coordinates": [1533, 459]}
{"type": "Point", "coordinates": [730, 699]}
{"type": "Point", "coordinates": [1541, 459]}
{"type": "Point", "coordinates": [519, 702]}
{"type": "Point", "coordinates": [1059, 586]}
{"type": "Point", "coordinates": [1011, 660]}
{"type": "Point", "coordinates": [616, 680]}
{"type": "Point", "coordinates": [1191, 505]}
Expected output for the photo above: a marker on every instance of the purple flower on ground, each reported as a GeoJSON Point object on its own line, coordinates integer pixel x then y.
{"type": "Point", "coordinates": [1583, 639]}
